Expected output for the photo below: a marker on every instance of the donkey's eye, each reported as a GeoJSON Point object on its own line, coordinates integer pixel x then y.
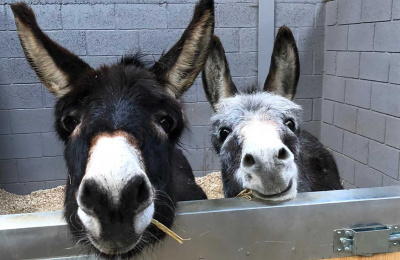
{"type": "Point", "coordinates": [70, 123]}
{"type": "Point", "coordinates": [290, 124]}
{"type": "Point", "coordinates": [166, 123]}
{"type": "Point", "coordinates": [224, 133]}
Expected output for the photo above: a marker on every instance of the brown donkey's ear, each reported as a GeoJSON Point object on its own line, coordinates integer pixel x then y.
{"type": "Point", "coordinates": [217, 80]}
{"type": "Point", "coordinates": [284, 72]}
{"type": "Point", "coordinates": [55, 66]}
{"type": "Point", "coordinates": [179, 67]}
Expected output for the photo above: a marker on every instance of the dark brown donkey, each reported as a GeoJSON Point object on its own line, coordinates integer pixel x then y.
{"type": "Point", "coordinates": [120, 125]}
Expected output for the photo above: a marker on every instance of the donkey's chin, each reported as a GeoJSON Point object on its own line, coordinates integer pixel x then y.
{"type": "Point", "coordinates": [287, 194]}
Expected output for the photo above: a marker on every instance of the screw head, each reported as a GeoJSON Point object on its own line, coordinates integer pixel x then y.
{"type": "Point", "coordinates": [396, 227]}
{"type": "Point", "coordinates": [339, 249]}
{"type": "Point", "coordinates": [347, 233]}
{"type": "Point", "coordinates": [347, 249]}
{"type": "Point", "coordinates": [395, 243]}
{"type": "Point", "coordinates": [248, 253]}
{"type": "Point", "coordinates": [339, 232]}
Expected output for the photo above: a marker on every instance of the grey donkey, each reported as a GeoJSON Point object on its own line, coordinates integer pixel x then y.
{"type": "Point", "coordinates": [257, 134]}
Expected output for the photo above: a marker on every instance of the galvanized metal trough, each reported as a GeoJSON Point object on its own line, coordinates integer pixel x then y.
{"type": "Point", "coordinates": [227, 229]}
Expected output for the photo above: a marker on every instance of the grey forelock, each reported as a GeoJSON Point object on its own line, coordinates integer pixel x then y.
{"type": "Point", "coordinates": [232, 111]}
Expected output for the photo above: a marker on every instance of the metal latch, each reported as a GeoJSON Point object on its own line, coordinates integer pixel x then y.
{"type": "Point", "coordinates": [367, 240]}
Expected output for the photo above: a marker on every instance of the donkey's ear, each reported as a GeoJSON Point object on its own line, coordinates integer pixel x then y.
{"type": "Point", "coordinates": [285, 65]}
{"type": "Point", "coordinates": [179, 67]}
{"type": "Point", "coordinates": [55, 66]}
{"type": "Point", "coordinates": [217, 80]}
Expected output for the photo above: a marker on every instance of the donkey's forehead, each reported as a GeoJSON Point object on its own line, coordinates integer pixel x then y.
{"type": "Point", "coordinates": [265, 105]}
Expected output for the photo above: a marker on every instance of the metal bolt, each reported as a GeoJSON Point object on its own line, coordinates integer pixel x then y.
{"type": "Point", "coordinates": [347, 249]}
{"type": "Point", "coordinates": [339, 249]}
{"type": "Point", "coordinates": [339, 232]}
{"type": "Point", "coordinates": [248, 253]}
{"type": "Point", "coordinates": [347, 233]}
{"type": "Point", "coordinates": [396, 227]}
{"type": "Point", "coordinates": [395, 243]}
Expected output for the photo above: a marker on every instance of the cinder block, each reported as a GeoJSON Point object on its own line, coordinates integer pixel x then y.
{"type": "Point", "coordinates": [229, 37]}
{"type": "Point", "coordinates": [217, 162]}
{"type": "Point", "coordinates": [345, 117]}
{"type": "Point", "coordinates": [5, 124]}
{"type": "Point", "coordinates": [307, 106]}
{"type": "Point", "coordinates": [246, 15]}
{"type": "Point", "coordinates": [358, 93]}
{"type": "Point", "coordinates": [345, 167]}
{"type": "Point", "coordinates": [23, 188]}
{"type": "Point", "coordinates": [317, 109]}
{"type": "Point", "coordinates": [375, 66]}
{"type": "Point", "coordinates": [334, 88]}
{"type": "Point", "coordinates": [392, 132]}
{"type": "Point", "coordinates": [348, 64]}
{"type": "Point", "coordinates": [396, 9]}
{"type": "Point", "coordinates": [311, 39]}
{"type": "Point", "coordinates": [320, 14]}
{"type": "Point", "coordinates": [42, 169]}
{"type": "Point", "coordinates": [52, 146]}
{"type": "Point", "coordinates": [313, 127]}
{"type": "Point", "coordinates": [198, 114]}
{"type": "Point", "coordinates": [8, 171]}
{"type": "Point", "coordinates": [330, 62]}
{"type": "Point", "coordinates": [373, 12]}
{"type": "Point", "coordinates": [319, 62]}
{"type": "Point", "coordinates": [355, 147]}
{"type": "Point", "coordinates": [293, 14]}
{"type": "Point", "coordinates": [179, 15]}
{"type": "Point", "coordinates": [371, 125]}
{"type": "Point", "coordinates": [306, 62]}
{"type": "Point", "coordinates": [349, 11]}
{"type": "Point", "coordinates": [32, 121]}
{"type": "Point", "coordinates": [327, 111]}
{"type": "Point", "coordinates": [310, 86]}
{"type": "Point", "coordinates": [97, 61]}
{"type": "Point", "coordinates": [248, 39]}
{"type": "Point", "coordinates": [5, 73]}
{"type": "Point", "coordinates": [361, 37]}
{"type": "Point", "coordinates": [348, 186]}
{"type": "Point", "coordinates": [20, 146]}
{"type": "Point", "coordinates": [385, 98]}
{"type": "Point", "coordinates": [243, 83]}
{"type": "Point", "coordinates": [21, 96]}
{"type": "Point", "coordinates": [336, 37]}
{"type": "Point", "coordinates": [54, 184]}
{"type": "Point", "coordinates": [387, 181]}
{"type": "Point", "coordinates": [158, 41]}
{"type": "Point", "coordinates": [22, 72]}
{"type": "Point", "coordinates": [331, 13]}
{"type": "Point", "coordinates": [73, 41]}
{"type": "Point", "coordinates": [10, 45]}
{"type": "Point", "coordinates": [112, 42]}
{"type": "Point", "coordinates": [3, 18]}
{"type": "Point", "coordinates": [332, 137]}
{"type": "Point", "coordinates": [190, 96]}
{"type": "Point", "coordinates": [130, 16]}
{"type": "Point", "coordinates": [196, 158]}
{"type": "Point", "coordinates": [384, 159]}
{"type": "Point", "coordinates": [387, 36]}
{"type": "Point", "coordinates": [48, 17]}
{"type": "Point", "coordinates": [367, 177]}
{"type": "Point", "coordinates": [242, 64]}
{"type": "Point", "coordinates": [197, 137]}
{"type": "Point", "coordinates": [49, 99]}
{"type": "Point", "coordinates": [394, 73]}
{"type": "Point", "coordinates": [85, 16]}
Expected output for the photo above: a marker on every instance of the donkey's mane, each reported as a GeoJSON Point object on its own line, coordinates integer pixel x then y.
{"type": "Point", "coordinates": [252, 89]}
{"type": "Point", "coordinates": [136, 59]}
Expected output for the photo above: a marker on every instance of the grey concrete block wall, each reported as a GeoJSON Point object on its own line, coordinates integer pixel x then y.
{"type": "Point", "coordinates": [99, 32]}
{"type": "Point", "coordinates": [360, 108]}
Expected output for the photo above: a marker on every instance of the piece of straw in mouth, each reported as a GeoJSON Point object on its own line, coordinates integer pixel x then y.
{"type": "Point", "coordinates": [168, 231]}
{"type": "Point", "coordinates": [247, 194]}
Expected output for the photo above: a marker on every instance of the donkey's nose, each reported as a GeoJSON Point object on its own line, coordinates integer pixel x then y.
{"type": "Point", "coordinates": [268, 156]}
{"type": "Point", "coordinates": [135, 193]}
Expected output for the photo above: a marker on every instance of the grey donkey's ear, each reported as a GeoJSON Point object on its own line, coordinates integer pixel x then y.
{"type": "Point", "coordinates": [217, 80]}
{"type": "Point", "coordinates": [55, 66]}
{"type": "Point", "coordinates": [284, 72]}
{"type": "Point", "coordinates": [179, 67]}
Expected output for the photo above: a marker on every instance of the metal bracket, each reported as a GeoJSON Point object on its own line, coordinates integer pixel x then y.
{"type": "Point", "coordinates": [367, 240]}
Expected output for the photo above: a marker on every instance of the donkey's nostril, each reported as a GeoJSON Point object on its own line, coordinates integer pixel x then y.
{"type": "Point", "coordinates": [136, 191]}
{"type": "Point", "coordinates": [283, 154]}
{"type": "Point", "coordinates": [248, 160]}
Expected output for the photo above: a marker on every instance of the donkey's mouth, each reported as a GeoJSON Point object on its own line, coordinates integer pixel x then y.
{"type": "Point", "coordinates": [278, 196]}
{"type": "Point", "coordinates": [114, 250]}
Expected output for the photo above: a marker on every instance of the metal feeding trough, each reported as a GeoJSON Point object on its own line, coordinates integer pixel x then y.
{"type": "Point", "coordinates": [305, 228]}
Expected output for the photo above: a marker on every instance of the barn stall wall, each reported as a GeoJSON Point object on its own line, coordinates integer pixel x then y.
{"type": "Point", "coordinates": [361, 93]}
{"type": "Point", "coordinates": [99, 32]}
